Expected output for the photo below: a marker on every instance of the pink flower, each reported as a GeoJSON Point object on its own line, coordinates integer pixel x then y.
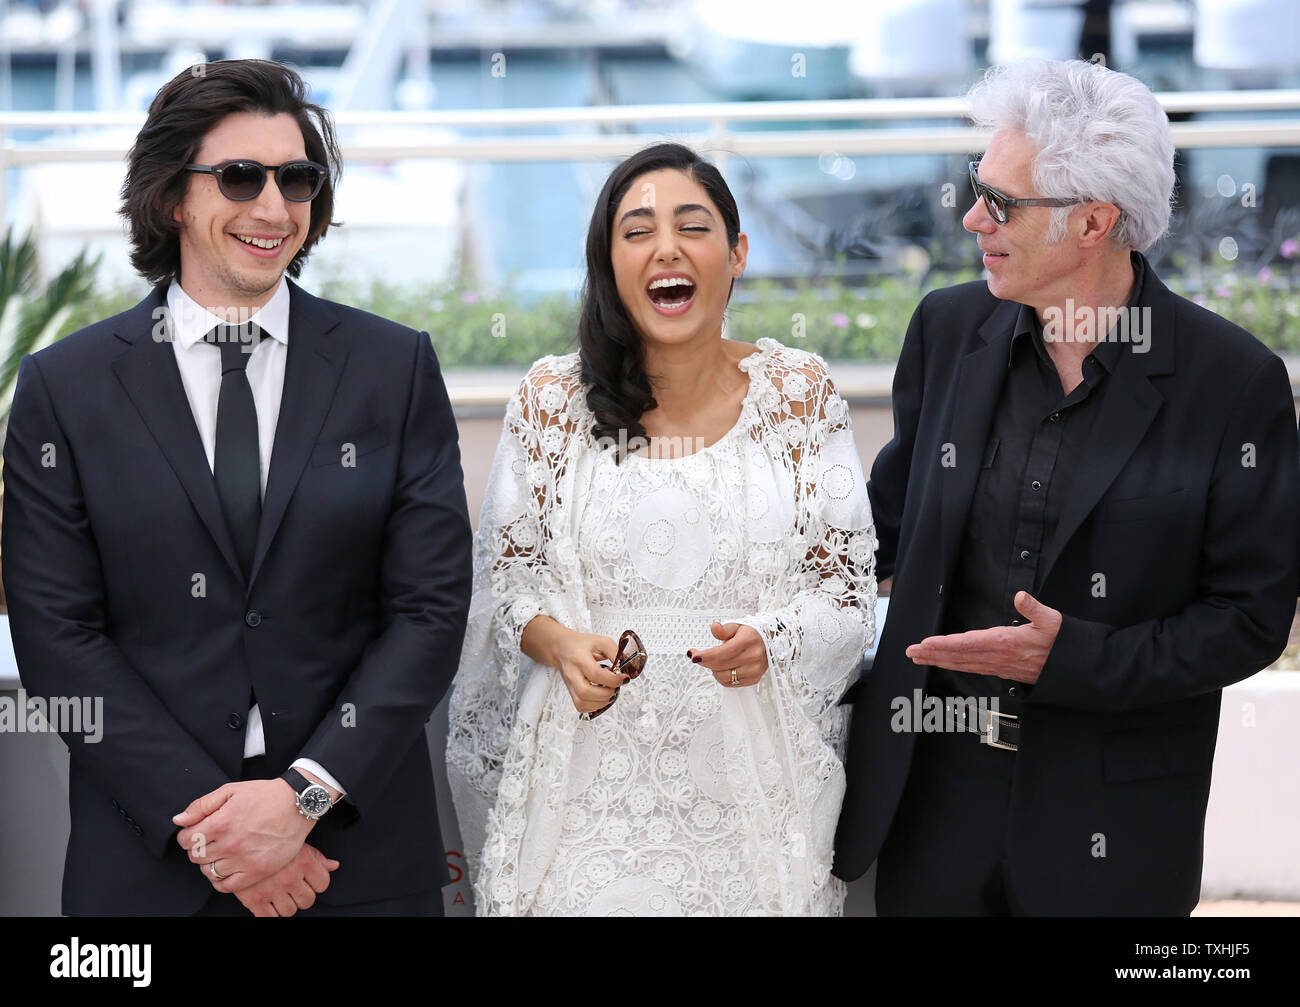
{"type": "Point", "coordinates": [469, 297]}
{"type": "Point", "coordinates": [1264, 275]}
{"type": "Point", "coordinates": [839, 320]}
{"type": "Point", "coordinates": [1222, 292]}
{"type": "Point", "coordinates": [1289, 248]}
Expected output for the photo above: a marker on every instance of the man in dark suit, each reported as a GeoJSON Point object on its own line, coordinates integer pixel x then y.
{"type": "Point", "coordinates": [1089, 509]}
{"type": "Point", "coordinates": [236, 513]}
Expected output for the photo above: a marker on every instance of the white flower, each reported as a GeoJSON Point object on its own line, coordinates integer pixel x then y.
{"type": "Point", "coordinates": [735, 888]}
{"type": "Point", "coordinates": [641, 800]}
{"type": "Point", "coordinates": [524, 534]}
{"type": "Point", "coordinates": [503, 888]}
{"type": "Point", "coordinates": [575, 817]}
{"type": "Point", "coordinates": [795, 386]}
{"type": "Point", "coordinates": [659, 829]}
{"type": "Point", "coordinates": [616, 830]}
{"type": "Point", "coordinates": [704, 704]}
{"type": "Point", "coordinates": [615, 766]}
{"type": "Point", "coordinates": [672, 763]}
{"type": "Point", "coordinates": [510, 788]}
{"type": "Point", "coordinates": [611, 544]}
{"type": "Point", "coordinates": [861, 548]}
{"type": "Point", "coordinates": [706, 815]}
{"type": "Point", "coordinates": [794, 431]}
{"type": "Point", "coordinates": [551, 398]}
{"type": "Point", "coordinates": [553, 439]}
{"type": "Point", "coordinates": [669, 870]}
{"type": "Point", "coordinates": [600, 871]}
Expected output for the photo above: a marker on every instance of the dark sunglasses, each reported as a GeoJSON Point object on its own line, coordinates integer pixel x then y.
{"type": "Point", "coordinates": [997, 203]}
{"type": "Point", "coordinates": [299, 181]}
{"type": "Point", "coordinates": [630, 662]}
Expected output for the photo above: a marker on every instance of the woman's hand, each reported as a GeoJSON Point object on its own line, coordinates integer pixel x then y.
{"type": "Point", "coordinates": [591, 686]}
{"type": "Point", "coordinates": [740, 660]}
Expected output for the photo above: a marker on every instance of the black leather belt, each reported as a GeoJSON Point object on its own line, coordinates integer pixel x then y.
{"type": "Point", "coordinates": [996, 729]}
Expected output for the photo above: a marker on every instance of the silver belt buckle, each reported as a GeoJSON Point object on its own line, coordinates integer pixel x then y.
{"type": "Point", "coordinates": [991, 733]}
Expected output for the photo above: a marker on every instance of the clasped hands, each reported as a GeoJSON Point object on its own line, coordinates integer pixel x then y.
{"type": "Point", "coordinates": [255, 837]}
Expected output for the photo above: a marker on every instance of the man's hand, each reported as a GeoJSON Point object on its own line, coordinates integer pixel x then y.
{"type": "Point", "coordinates": [249, 830]}
{"type": "Point", "coordinates": [743, 651]}
{"type": "Point", "coordinates": [293, 887]}
{"type": "Point", "coordinates": [1014, 652]}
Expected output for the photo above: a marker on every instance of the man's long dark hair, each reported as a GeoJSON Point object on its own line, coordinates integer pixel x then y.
{"type": "Point", "coordinates": [181, 115]}
{"type": "Point", "coordinates": [611, 349]}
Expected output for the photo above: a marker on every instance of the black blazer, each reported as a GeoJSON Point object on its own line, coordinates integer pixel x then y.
{"type": "Point", "coordinates": [123, 583]}
{"type": "Point", "coordinates": [1186, 500]}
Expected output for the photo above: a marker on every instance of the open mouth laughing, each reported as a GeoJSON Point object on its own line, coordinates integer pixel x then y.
{"type": "Point", "coordinates": [671, 293]}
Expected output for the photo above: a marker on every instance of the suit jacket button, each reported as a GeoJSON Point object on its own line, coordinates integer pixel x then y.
{"type": "Point", "coordinates": [234, 722]}
{"type": "Point", "coordinates": [253, 617]}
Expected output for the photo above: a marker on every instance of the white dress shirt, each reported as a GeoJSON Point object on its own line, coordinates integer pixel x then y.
{"type": "Point", "coordinates": [200, 367]}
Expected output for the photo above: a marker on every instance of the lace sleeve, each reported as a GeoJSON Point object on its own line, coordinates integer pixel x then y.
{"type": "Point", "coordinates": [815, 641]}
{"type": "Point", "coordinates": [516, 577]}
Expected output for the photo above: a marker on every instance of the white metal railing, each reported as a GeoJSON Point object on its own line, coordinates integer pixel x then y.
{"type": "Point", "coordinates": [720, 140]}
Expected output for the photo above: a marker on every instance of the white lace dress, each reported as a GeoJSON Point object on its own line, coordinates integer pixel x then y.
{"type": "Point", "coordinates": [686, 797]}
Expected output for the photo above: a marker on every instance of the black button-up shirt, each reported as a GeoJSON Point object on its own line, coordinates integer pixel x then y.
{"type": "Point", "coordinates": [1030, 458]}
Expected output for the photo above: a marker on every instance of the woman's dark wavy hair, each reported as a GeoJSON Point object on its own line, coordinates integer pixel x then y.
{"type": "Point", "coordinates": [181, 115]}
{"type": "Point", "coordinates": [610, 348]}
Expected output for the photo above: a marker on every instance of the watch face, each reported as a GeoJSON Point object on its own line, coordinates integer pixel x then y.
{"type": "Point", "coordinates": [314, 801]}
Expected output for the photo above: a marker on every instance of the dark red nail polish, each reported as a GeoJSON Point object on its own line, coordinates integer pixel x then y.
{"type": "Point", "coordinates": [696, 660]}
{"type": "Point", "coordinates": [691, 655]}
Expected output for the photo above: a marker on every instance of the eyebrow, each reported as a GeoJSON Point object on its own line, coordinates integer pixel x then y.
{"type": "Point", "coordinates": [647, 211]}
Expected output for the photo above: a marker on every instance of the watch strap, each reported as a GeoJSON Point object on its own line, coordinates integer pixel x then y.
{"type": "Point", "coordinates": [296, 780]}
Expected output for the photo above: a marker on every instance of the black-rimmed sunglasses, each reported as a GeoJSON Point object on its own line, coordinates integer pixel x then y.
{"type": "Point", "coordinates": [997, 203]}
{"type": "Point", "coordinates": [241, 180]}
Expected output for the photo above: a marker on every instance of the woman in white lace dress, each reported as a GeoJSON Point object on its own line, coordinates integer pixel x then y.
{"type": "Point", "coordinates": [707, 495]}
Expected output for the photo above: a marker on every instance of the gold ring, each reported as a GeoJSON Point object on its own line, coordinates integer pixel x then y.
{"type": "Point", "coordinates": [212, 866]}
{"type": "Point", "coordinates": [734, 680]}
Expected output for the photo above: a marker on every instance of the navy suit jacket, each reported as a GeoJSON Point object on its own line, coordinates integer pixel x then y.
{"type": "Point", "coordinates": [1186, 501]}
{"type": "Point", "coordinates": [123, 583]}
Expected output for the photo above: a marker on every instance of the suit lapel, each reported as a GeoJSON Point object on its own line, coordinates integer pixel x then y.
{"type": "Point", "coordinates": [1127, 411]}
{"type": "Point", "coordinates": [313, 366]}
{"type": "Point", "coordinates": [979, 383]}
{"type": "Point", "coordinates": [148, 373]}
{"type": "Point", "coordinates": [312, 371]}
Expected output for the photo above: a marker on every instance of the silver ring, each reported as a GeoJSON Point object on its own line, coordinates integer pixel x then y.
{"type": "Point", "coordinates": [212, 866]}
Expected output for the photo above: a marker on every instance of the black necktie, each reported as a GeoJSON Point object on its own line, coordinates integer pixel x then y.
{"type": "Point", "coordinates": [236, 462]}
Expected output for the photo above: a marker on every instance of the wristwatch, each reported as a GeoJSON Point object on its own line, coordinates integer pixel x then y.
{"type": "Point", "coordinates": [312, 799]}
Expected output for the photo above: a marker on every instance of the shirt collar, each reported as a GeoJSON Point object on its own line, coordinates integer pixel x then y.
{"type": "Point", "coordinates": [191, 321]}
{"type": "Point", "coordinates": [1105, 353]}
